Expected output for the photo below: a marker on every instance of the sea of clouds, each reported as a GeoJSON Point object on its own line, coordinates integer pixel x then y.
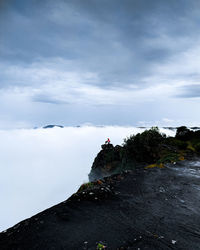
{"type": "Point", "coordinates": [42, 167]}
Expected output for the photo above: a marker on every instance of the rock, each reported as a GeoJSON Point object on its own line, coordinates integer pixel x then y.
{"type": "Point", "coordinates": [107, 146]}
{"type": "Point", "coordinates": [106, 162]}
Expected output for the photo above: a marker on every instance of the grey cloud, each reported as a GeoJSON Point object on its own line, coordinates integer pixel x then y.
{"type": "Point", "coordinates": [189, 91]}
{"type": "Point", "coordinates": [47, 99]}
{"type": "Point", "coordinates": [115, 39]}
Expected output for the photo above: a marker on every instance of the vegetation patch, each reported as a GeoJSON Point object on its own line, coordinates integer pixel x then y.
{"type": "Point", "coordinates": [190, 146]}
{"type": "Point", "coordinates": [100, 246]}
{"type": "Point", "coordinates": [156, 165]}
{"type": "Point", "coordinates": [89, 185]}
{"type": "Point", "coordinates": [144, 147]}
{"type": "Point", "coordinates": [157, 149]}
{"type": "Point", "coordinates": [86, 186]}
{"type": "Point", "coordinates": [169, 158]}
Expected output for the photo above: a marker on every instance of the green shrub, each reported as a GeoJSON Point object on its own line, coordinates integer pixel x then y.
{"type": "Point", "coordinates": [144, 147]}
{"type": "Point", "coordinates": [100, 246]}
{"type": "Point", "coordinates": [182, 145]}
{"type": "Point", "coordinates": [184, 134]}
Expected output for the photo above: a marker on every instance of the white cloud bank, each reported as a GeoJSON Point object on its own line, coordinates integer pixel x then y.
{"type": "Point", "coordinates": [40, 168]}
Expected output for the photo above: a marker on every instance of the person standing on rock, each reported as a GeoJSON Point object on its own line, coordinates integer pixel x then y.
{"type": "Point", "coordinates": [108, 141]}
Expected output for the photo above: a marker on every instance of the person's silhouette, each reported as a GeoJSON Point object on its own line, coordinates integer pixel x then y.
{"type": "Point", "coordinates": [108, 141]}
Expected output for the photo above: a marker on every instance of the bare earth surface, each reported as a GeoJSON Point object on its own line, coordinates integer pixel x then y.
{"type": "Point", "coordinates": [144, 209]}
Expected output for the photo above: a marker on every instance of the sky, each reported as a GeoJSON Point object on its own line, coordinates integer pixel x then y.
{"type": "Point", "coordinates": [100, 62]}
{"type": "Point", "coordinates": [42, 167]}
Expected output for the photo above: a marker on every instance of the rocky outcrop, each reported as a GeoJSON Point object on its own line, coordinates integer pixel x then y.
{"type": "Point", "coordinates": [107, 161]}
{"type": "Point", "coordinates": [148, 148]}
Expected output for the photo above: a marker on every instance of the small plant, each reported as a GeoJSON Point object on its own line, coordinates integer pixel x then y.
{"type": "Point", "coordinates": [86, 186]}
{"type": "Point", "coordinates": [89, 185]}
{"type": "Point", "coordinates": [169, 158]}
{"type": "Point", "coordinates": [100, 246]}
{"type": "Point", "coordinates": [155, 165]}
{"type": "Point", "coordinates": [190, 147]}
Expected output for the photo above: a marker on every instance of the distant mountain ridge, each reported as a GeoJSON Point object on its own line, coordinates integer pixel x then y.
{"type": "Point", "coordinates": [101, 126]}
{"type": "Point", "coordinates": [53, 126]}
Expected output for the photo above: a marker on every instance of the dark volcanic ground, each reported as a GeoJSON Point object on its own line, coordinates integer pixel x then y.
{"type": "Point", "coordinates": [144, 209]}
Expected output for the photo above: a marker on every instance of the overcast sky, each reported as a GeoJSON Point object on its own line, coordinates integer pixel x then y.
{"type": "Point", "coordinates": [113, 62]}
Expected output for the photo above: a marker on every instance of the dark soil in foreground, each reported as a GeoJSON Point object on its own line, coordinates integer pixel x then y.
{"type": "Point", "coordinates": [145, 209]}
